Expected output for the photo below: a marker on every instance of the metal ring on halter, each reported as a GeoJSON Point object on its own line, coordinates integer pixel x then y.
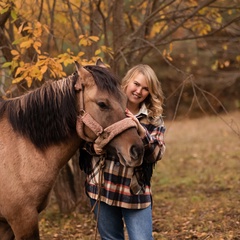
{"type": "Point", "coordinates": [81, 112]}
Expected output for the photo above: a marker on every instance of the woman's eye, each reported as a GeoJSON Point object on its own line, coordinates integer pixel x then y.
{"type": "Point", "coordinates": [103, 105]}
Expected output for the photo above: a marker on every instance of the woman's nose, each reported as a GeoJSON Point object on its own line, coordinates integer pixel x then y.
{"type": "Point", "coordinates": [139, 90]}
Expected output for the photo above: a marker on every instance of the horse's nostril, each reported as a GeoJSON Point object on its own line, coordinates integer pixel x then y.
{"type": "Point", "coordinates": [136, 152]}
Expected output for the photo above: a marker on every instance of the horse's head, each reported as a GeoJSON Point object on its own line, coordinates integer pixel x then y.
{"type": "Point", "coordinates": [101, 106]}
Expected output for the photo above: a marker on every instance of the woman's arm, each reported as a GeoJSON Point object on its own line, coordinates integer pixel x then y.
{"type": "Point", "coordinates": [154, 142]}
{"type": "Point", "coordinates": [153, 138]}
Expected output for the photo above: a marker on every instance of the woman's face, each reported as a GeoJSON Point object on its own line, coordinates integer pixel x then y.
{"type": "Point", "coordinates": [137, 89]}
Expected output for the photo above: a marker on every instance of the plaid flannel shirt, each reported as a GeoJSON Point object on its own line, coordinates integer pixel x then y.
{"type": "Point", "coordinates": [117, 180]}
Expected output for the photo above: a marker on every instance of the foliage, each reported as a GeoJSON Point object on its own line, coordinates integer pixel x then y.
{"type": "Point", "coordinates": [41, 40]}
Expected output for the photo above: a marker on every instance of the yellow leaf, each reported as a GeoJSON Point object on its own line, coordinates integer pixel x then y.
{"type": "Point", "coordinates": [80, 54]}
{"type": "Point", "coordinates": [27, 28]}
{"type": "Point", "coordinates": [97, 52]}
{"type": "Point", "coordinates": [17, 57]}
{"type": "Point", "coordinates": [21, 64]}
{"type": "Point", "coordinates": [29, 81]}
{"type": "Point", "coordinates": [42, 57]}
{"type": "Point", "coordinates": [164, 52]}
{"type": "Point", "coordinates": [37, 32]}
{"type": "Point", "coordinates": [26, 44]}
{"type": "Point", "coordinates": [21, 27]}
{"type": "Point", "coordinates": [38, 24]}
{"type": "Point", "coordinates": [94, 38]}
{"type": "Point", "coordinates": [19, 70]}
{"type": "Point", "coordinates": [69, 51]}
{"type": "Point", "coordinates": [219, 20]}
{"type": "Point", "coordinates": [225, 47]}
{"type": "Point", "coordinates": [83, 42]}
{"type": "Point", "coordinates": [17, 80]}
{"type": "Point", "coordinates": [14, 65]}
{"type": "Point", "coordinates": [14, 52]}
{"type": "Point", "coordinates": [215, 66]}
{"type": "Point", "coordinates": [67, 62]}
{"type": "Point", "coordinates": [41, 63]}
{"type": "Point", "coordinates": [37, 43]}
{"type": "Point", "coordinates": [63, 74]}
{"type": "Point", "coordinates": [36, 46]}
{"type": "Point", "coordinates": [44, 69]}
{"type": "Point", "coordinates": [169, 58]}
{"type": "Point", "coordinates": [52, 73]}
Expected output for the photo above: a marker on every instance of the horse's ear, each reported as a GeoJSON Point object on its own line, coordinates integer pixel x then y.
{"type": "Point", "coordinates": [77, 65]}
{"type": "Point", "coordinates": [100, 63]}
{"type": "Point", "coordinates": [80, 70]}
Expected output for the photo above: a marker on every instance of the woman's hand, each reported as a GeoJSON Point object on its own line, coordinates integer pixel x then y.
{"type": "Point", "coordinates": [98, 151]}
{"type": "Point", "coordinates": [141, 130]}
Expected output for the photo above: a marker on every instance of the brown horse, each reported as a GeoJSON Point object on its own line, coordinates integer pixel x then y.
{"type": "Point", "coordinates": [39, 134]}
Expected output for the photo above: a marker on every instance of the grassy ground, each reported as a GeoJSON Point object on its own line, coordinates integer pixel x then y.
{"type": "Point", "coordinates": [196, 187]}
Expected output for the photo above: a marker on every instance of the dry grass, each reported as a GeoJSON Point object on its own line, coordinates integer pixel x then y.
{"type": "Point", "coordinates": [196, 187]}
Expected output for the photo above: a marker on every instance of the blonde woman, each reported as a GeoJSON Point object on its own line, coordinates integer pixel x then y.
{"type": "Point", "coordinates": [126, 192]}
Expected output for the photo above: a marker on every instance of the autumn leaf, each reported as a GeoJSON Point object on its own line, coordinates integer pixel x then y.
{"type": "Point", "coordinates": [36, 46]}
{"type": "Point", "coordinates": [43, 69]}
{"type": "Point", "coordinates": [29, 81]}
{"type": "Point", "coordinates": [14, 52]}
{"type": "Point", "coordinates": [19, 70]}
{"type": "Point", "coordinates": [17, 80]}
{"type": "Point", "coordinates": [98, 51]}
{"type": "Point", "coordinates": [26, 44]}
{"type": "Point", "coordinates": [94, 38]}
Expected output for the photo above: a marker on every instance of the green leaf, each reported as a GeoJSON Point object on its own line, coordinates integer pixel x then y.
{"type": "Point", "coordinates": [6, 64]}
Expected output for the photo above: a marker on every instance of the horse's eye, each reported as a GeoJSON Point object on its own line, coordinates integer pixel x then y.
{"type": "Point", "coordinates": [103, 105]}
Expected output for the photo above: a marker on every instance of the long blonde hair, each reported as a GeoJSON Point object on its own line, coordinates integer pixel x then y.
{"type": "Point", "coordinates": [154, 101]}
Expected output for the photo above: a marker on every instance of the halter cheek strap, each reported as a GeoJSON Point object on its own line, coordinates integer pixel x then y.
{"type": "Point", "coordinates": [86, 119]}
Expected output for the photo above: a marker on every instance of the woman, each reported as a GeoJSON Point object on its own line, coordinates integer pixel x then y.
{"type": "Point", "coordinates": [125, 192]}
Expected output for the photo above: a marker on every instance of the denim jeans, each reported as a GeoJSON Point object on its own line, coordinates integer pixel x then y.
{"type": "Point", "coordinates": [111, 226]}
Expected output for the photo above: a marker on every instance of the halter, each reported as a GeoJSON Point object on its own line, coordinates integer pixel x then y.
{"type": "Point", "coordinates": [103, 136]}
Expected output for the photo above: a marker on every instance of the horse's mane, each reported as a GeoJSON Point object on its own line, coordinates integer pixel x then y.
{"type": "Point", "coordinates": [48, 114]}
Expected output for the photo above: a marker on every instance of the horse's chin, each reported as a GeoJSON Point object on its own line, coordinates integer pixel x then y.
{"type": "Point", "coordinates": [126, 163]}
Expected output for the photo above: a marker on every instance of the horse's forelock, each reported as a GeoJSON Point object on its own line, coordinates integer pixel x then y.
{"type": "Point", "coordinates": [105, 80]}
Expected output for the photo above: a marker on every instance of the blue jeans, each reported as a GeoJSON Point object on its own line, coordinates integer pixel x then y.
{"type": "Point", "coordinates": [111, 226]}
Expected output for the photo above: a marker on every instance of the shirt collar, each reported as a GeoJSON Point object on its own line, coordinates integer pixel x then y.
{"type": "Point", "coordinates": [142, 111]}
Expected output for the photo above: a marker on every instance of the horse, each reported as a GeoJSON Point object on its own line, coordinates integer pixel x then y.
{"type": "Point", "coordinates": [42, 129]}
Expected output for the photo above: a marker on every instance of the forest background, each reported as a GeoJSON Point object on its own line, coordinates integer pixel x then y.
{"type": "Point", "coordinates": [193, 46]}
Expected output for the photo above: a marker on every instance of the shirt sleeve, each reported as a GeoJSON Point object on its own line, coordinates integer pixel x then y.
{"type": "Point", "coordinates": [153, 141]}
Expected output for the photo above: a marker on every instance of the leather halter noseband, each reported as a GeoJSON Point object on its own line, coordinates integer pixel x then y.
{"type": "Point", "coordinates": [103, 136]}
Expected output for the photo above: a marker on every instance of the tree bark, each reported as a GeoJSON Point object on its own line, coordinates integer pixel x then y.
{"type": "Point", "coordinates": [69, 188]}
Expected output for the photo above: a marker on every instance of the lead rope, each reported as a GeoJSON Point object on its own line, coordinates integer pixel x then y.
{"type": "Point", "coordinates": [98, 201]}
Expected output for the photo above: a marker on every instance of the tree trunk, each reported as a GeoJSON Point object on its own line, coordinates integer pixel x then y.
{"type": "Point", "coordinates": [69, 188]}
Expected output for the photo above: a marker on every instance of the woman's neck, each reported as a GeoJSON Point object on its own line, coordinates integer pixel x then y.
{"type": "Point", "coordinates": [133, 108]}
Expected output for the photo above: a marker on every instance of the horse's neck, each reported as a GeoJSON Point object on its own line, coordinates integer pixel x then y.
{"type": "Point", "coordinates": [59, 154]}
